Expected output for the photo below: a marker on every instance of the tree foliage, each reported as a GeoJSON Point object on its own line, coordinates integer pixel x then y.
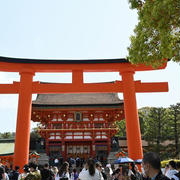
{"type": "Point", "coordinates": [34, 133]}
{"type": "Point", "coordinates": [7, 135]}
{"type": "Point", "coordinates": [121, 126]}
{"type": "Point", "coordinates": [161, 129]}
{"type": "Point", "coordinates": [156, 127]}
{"type": "Point", "coordinates": [174, 124]}
{"type": "Point", "coordinates": [157, 34]}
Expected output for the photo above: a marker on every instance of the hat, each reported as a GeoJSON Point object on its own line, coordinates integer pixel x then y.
{"type": "Point", "coordinates": [108, 165]}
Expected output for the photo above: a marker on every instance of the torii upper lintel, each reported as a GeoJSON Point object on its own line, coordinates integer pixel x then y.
{"type": "Point", "coordinates": [94, 65]}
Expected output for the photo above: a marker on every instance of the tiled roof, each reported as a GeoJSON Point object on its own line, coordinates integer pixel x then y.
{"type": "Point", "coordinates": [78, 99]}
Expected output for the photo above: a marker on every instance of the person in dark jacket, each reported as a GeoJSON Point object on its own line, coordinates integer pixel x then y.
{"type": "Point", "coordinates": [3, 175]}
{"type": "Point", "coordinates": [34, 172]}
{"type": "Point", "coordinates": [152, 166]}
{"type": "Point", "coordinates": [46, 173]}
{"type": "Point", "coordinates": [134, 172]}
{"type": "Point", "coordinates": [14, 174]}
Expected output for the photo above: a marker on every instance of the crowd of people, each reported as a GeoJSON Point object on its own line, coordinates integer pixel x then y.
{"type": "Point", "coordinates": [92, 170]}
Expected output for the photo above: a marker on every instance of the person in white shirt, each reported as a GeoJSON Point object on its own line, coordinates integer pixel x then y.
{"type": "Point", "coordinates": [110, 169]}
{"type": "Point", "coordinates": [172, 169]}
{"type": "Point", "coordinates": [55, 171]}
{"type": "Point", "coordinates": [166, 169]}
{"type": "Point", "coordinates": [25, 172]}
{"type": "Point", "coordinates": [99, 168]}
{"type": "Point", "coordinates": [63, 172]}
{"type": "Point", "coordinates": [89, 172]}
{"type": "Point", "coordinates": [3, 174]}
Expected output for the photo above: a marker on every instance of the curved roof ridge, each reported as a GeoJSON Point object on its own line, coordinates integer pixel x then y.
{"type": "Point", "coordinates": [61, 61]}
{"type": "Point", "coordinates": [77, 99]}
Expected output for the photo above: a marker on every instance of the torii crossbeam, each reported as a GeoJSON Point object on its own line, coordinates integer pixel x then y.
{"type": "Point", "coordinates": [26, 87]}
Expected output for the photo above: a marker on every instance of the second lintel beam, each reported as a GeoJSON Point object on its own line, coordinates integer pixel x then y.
{"type": "Point", "coordinates": [116, 87]}
{"type": "Point", "coordinates": [55, 88]}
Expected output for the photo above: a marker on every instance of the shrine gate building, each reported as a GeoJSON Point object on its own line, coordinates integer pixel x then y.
{"type": "Point", "coordinates": [79, 124]}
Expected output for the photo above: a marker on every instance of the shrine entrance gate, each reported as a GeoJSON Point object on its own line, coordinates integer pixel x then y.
{"type": "Point", "coordinates": [26, 87]}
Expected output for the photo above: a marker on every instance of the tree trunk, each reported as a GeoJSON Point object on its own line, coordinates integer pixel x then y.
{"type": "Point", "coordinates": [175, 131]}
{"type": "Point", "coordinates": [159, 131]}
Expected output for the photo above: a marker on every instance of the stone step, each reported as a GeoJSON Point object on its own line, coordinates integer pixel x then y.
{"type": "Point", "coordinates": [111, 157]}
{"type": "Point", "coordinates": [43, 159]}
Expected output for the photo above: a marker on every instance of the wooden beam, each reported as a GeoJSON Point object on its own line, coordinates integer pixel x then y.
{"type": "Point", "coordinates": [151, 87]}
{"type": "Point", "coordinates": [116, 87]}
{"type": "Point", "coordinates": [9, 88]}
{"type": "Point", "coordinates": [57, 68]}
{"type": "Point", "coordinates": [108, 65]}
{"type": "Point", "coordinates": [73, 88]}
{"type": "Point", "coordinates": [78, 129]}
{"type": "Point", "coordinates": [55, 88]}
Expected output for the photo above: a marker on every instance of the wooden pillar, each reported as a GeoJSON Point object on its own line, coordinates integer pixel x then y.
{"type": "Point", "coordinates": [93, 144]}
{"type": "Point", "coordinates": [77, 77]}
{"type": "Point", "coordinates": [131, 116]}
{"type": "Point", "coordinates": [93, 149]}
{"type": "Point", "coordinates": [47, 145]}
{"type": "Point", "coordinates": [93, 135]}
{"type": "Point", "coordinates": [22, 139]}
{"type": "Point", "coordinates": [108, 141]}
{"type": "Point", "coordinates": [63, 149]}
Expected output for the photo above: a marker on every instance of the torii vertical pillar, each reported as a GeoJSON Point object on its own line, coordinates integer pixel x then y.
{"type": "Point", "coordinates": [131, 116]}
{"type": "Point", "coordinates": [21, 152]}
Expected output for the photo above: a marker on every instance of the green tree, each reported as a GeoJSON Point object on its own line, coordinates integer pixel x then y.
{"type": "Point", "coordinates": [174, 125]}
{"type": "Point", "coordinates": [6, 135]}
{"type": "Point", "coordinates": [35, 140]}
{"type": "Point", "coordinates": [34, 133]}
{"type": "Point", "coordinates": [143, 112]}
{"type": "Point", "coordinates": [157, 34]}
{"type": "Point", "coordinates": [121, 125]}
{"type": "Point", "coordinates": [155, 123]}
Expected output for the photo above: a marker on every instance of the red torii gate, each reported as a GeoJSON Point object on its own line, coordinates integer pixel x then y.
{"type": "Point", "coordinates": [26, 87]}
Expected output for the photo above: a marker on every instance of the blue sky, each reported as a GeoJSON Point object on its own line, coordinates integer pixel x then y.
{"type": "Point", "coordinates": [73, 29]}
